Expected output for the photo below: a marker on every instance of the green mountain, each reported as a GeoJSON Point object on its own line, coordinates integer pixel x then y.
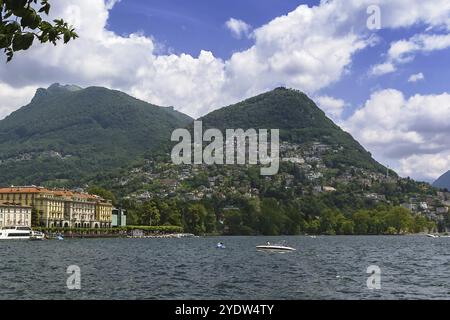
{"type": "Point", "coordinates": [68, 133]}
{"type": "Point", "coordinates": [443, 182]}
{"type": "Point", "coordinates": [327, 183]}
{"type": "Point", "coordinates": [300, 121]}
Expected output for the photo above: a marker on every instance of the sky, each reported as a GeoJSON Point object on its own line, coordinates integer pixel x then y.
{"type": "Point", "coordinates": [378, 68]}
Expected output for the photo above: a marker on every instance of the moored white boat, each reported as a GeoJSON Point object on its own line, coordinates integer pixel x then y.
{"type": "Point", "coordinates": [37, 235]}
{"type": "Point", "coordinates": [437, 236]}
{"type": "Point", "coordinates": [15, 233]}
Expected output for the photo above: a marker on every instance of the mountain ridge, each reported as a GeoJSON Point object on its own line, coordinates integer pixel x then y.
{"type": "Point", "coordinates": [98, 130]}
{"type": "Point", "coordinates": [443, 181]}
{"type": "Point", "coordinates": [97, 127]}
{"type": "Point", "coordinates": [298, 118]}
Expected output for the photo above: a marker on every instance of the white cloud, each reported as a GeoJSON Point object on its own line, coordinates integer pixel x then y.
{"type": "Point", "coordinates": [298, 50]}
{"type": "Point", "coordinates": [110, 3]}
{"type": "Point", "coordinates": [238, 28]}
{"type": "Point", "coordinates": [331, 106]}
{"type": "Point", "coordinates": [404, 51]}
{"type": "Point", "coordinates": [416, 77]}
{"type": "Point", "coordinates": [435, 164]}
{"type": "Point", "coordinates": [308, 49]}
{"type": "Point", "coordinates": [381, 69]}
{"type": "Point", "coordinates": [303, 49]}
{"type": "Point", "coordinates": [11, 98]}
{"type": "Point", "coordinates": [401, 130]}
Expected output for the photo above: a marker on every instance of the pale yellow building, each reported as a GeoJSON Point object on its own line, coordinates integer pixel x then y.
{"type": "Point", "coordinates": [62, 208]}
{"type": "Point", "coordinates": [103, 214]}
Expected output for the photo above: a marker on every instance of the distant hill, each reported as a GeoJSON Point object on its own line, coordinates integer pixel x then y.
{"type": "Point", "coordinates": [299, 120]}
{"type": "Point", "coordinates": [68, 133]}
{"type": "Point", "coordinates": [443, 182]}
{"type": "Point", "coordinates": [326, 181]}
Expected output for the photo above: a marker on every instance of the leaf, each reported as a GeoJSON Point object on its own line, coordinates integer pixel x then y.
{"type": "Point", "coordinates": [9, 55]}
{"type": "Point", "coordinates": [4, 41]}
{"type": "Point", "coordinates": [31, 19]}
{"type": "Point", "coordinates": [22, 41]}
{"type": "Point", "coordinates": [67, 36]}
{"type": "Point", "coordinates": [45, 26]}
{"type": "Point", "coordinates": [52, 35]}
{"type": "Point", "coordinates": [12, 27]}
{"type": "Point", "coordinates": [15, 4]}
{"type": "Point", "coordinates": [21, 12]}
{"type": "Point", "coordinates": [45, 8]}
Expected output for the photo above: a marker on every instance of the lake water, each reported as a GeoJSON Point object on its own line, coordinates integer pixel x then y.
{"type": "Point", "coordinates": [331, 267]}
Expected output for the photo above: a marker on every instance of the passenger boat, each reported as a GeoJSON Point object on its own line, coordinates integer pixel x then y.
{"type": "Point", "coordinates": [15, 233]}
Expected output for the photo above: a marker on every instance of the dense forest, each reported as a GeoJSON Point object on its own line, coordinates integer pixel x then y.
{"type": "Point", "coordinates": [270, 216]}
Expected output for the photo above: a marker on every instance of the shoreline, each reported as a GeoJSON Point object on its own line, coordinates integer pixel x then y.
{"type": "Point", "coordinates": [189, 235]}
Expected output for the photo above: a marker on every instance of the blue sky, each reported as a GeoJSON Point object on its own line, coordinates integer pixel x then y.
{"type": "Point", "coordinates": [191, 26]}
{"type": "Point", "coordinates": [389, 87]}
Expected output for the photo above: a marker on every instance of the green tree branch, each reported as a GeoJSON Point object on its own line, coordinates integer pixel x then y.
{"type": "Point", "coordinates": [27, 24]}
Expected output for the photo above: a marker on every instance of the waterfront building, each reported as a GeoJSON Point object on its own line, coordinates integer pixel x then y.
{"type": "Point", "coordinates": [62, 208]}
{"type": "Point", "coordinates": [119, 218]}
{"type": "Point", "coordinates": [103, 213]}
{"type": "Point", "coordinates": [14, 214]}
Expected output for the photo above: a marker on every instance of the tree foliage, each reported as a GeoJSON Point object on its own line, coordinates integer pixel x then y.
{"type": "Point", "coordinates": [102, 192]}
{"type": "Point", "coordinates": [21, 22]}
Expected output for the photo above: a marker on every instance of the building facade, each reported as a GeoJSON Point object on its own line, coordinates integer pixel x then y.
{"type": "Point", "coordinates": [119, 218]}
{"type": "Point", "coordinates": [14, 214]}
{"type": "Point", "coordinates": [62, 208]}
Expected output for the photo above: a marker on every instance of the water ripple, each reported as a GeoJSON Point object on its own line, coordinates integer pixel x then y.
{"type": "Point", "coordinates": [412, 267]}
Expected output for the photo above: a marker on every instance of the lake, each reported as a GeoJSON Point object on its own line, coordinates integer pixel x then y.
{"type": "Point", "coordinates": [326, 267]}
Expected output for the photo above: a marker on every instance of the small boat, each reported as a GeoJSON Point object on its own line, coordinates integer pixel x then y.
{"type": "Point", "coordinates": [59, 237]}
{"type": "Point", "coordinates": [432, 236]}
{"type": "Point", "coordinates": [275, 247]}
{"type": "Point", "coordinates": [37, 235]}
{"type": "Point", "coordinates": [220, 245]}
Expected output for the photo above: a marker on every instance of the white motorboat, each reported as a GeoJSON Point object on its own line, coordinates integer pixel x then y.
{"type": "Point", "coordinates": [15, 233]}
{"type": "Point", "coordinates": [37, 235]}
{"type": "Point", "coordinates": [275, 247]}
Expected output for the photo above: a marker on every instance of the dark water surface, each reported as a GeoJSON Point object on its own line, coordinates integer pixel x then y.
{"type": "Point", "coordinates": [331, 267]}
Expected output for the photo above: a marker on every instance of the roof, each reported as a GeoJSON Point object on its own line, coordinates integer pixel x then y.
{"type": "Point", "coordinates": [55, 192]}
{"type": "Point", "coordinates": [32, 189]}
